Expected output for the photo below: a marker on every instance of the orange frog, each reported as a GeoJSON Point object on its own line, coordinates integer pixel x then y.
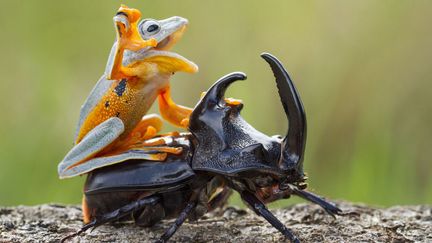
{"type": "Point", "coordinates": [113, 125]}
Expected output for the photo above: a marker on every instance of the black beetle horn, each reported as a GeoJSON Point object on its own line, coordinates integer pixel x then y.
{"type": "Point", "coordinates": [217, 91]}
{"type": "Point", "coordinates": [293, 145]}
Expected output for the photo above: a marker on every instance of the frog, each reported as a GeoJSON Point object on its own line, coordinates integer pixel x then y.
{"type": "Point", "coordinates": [114, 125]}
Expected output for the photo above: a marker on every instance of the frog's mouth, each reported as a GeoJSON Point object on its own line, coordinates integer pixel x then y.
{"type": "Point", "coordinates": [170, 32]}
{"type": "Point", "coordinates": [170, 40]}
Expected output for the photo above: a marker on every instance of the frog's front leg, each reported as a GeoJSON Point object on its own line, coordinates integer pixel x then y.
{"type": "Point", "coordinates": [179, 115]}
{"type": "Point", "coordinates": [128, 38]}
{"type": "Point", "coordinates": [175, 114]}
{"type": "Point", "coordinates": [229, 101]}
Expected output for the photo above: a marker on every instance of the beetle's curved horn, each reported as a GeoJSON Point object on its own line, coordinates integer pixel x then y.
{"type": "Point", "coordinates": [293, 145]}
{"type": "Point", "coordinates": [217, 91]}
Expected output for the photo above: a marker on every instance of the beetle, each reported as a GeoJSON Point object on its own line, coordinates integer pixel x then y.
{"type": "Point", "coordinates": [221, 153]}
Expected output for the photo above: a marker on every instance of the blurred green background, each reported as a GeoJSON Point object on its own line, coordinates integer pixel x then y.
{"type": "Point", "coordinates": [363, 69]}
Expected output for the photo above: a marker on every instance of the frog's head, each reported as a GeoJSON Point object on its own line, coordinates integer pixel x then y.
{"type": "Point", "coordinates": [167, 33]}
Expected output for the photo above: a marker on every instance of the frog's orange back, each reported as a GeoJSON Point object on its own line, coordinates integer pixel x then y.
{"type": "Point", "coordinates": [121, 100]}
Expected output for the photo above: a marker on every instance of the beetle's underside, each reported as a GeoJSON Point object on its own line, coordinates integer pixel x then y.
{"type": "Point", "coordinates": [221, 153]}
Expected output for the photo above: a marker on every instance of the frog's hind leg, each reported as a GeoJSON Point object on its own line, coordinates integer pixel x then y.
{"type": "Point", "coordinates": [98, 149]}
{"type": "Point", "coordinates": [146, 129]}
{"type": "Point", "coordinates": [140, 139]}
{"type": "Point", "coordinates": [98, 162]}
{"type": "Point", "coordinates": [75, 162]}
{"type": "Point", "coordinates": [139, 144]}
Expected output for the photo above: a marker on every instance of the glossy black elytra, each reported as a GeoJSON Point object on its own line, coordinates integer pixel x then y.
{"type": "Point", "coordinates": [221, 153]}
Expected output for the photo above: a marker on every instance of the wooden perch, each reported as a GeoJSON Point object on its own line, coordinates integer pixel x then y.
{"type": "Point", "coordinates": [51, 222]}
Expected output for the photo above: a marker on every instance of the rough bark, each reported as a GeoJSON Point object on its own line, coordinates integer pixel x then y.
{"type": "Point", "coordinates": [49, 223]}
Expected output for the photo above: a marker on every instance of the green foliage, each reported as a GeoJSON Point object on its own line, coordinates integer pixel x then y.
{"type": "Point", "coordinates": [362, 68]}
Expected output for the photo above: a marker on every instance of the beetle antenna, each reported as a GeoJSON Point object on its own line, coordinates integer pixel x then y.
{"type": "Point", "coordinates": [330, 208]}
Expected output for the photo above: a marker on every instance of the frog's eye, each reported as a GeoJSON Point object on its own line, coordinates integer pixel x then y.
{"type": "Point", "coordinates": [149, 27]}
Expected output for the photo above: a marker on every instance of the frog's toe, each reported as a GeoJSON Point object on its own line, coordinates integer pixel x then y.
{"type": "Point", "coordinates": [122, 23]}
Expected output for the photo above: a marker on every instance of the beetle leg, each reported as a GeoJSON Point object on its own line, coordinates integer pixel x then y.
{"type": "Point", "coordinates": [178, 222]}
{"type": "Point", "coordinates": [327, 206]}
{"type": "Point", "coordinates": [116, 214]}
{"type": "Point", "coordinates": [262, 210]}
{"type": "Point", "coordinates": [220, 199]}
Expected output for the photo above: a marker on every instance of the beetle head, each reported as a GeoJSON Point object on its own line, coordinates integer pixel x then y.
{"type": "Point", "coordinates": [227, 144]}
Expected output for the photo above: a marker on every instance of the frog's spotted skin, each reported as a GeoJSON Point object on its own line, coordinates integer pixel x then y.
{"type": "Point", "coordinates": [126, 100]}
{"type": "Point", "coordinates": [138, 71]}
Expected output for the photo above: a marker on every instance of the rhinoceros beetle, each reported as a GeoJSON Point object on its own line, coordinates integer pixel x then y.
{"type": "Point", "coordinates": [221, 152]}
